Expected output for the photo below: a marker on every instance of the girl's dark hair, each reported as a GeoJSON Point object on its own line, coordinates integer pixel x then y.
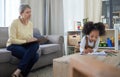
{"type": "Point", "coordinates": [90, 26]}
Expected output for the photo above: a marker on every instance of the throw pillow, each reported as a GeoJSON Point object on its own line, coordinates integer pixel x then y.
{"type": "Point", "coordinates": [36, 33]}
{"type": "Point", "coordinates": [41, 39]}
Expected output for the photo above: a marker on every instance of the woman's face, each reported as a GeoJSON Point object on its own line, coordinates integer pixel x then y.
{"type": "Point", "coordinates": [26, 13]}
{"type": "Point", "coordinates": [93, 35]}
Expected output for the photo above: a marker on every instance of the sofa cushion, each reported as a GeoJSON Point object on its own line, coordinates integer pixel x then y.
{"type": "Point", "coordinates": [5, 55]}
{"type": "Point", "coordinates": [14, 60]}
{"type": "Point", "coordinates": [3, 36]}
{"type": "Point", "coordinates": [49, 48]}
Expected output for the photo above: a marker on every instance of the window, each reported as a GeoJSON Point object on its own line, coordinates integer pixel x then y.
{"type": "Point", "coordinates": [73, 11]}
{"type": "Point", "coordinates": [9, 10]}
{"type": "Point", "coordinates": [111, 12]}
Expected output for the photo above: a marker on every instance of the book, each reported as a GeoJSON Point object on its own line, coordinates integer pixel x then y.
{"type": "Point", "coordinates": [31, 42]}
{"type": "Point", "coordinates": [102, 53]}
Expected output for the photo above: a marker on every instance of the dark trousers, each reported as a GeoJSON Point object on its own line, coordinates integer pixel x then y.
{"type": "Point", "coordinates": [27, 54]}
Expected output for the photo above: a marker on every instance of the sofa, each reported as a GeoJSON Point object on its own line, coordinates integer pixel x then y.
{"type": "Point", "coordinates": [54, 48]}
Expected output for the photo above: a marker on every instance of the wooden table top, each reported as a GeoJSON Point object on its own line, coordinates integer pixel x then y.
{"type": "Point", "coordinates": [96, 66]}
{"type": "Point", "coordinates": [113, 60]}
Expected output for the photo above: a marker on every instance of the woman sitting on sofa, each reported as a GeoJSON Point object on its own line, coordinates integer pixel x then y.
{"type": "Point", "coordinates": [21, 32]}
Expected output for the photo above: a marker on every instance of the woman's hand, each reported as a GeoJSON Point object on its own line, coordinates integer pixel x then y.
{"type": "Point", "coordinates": [31, 39]}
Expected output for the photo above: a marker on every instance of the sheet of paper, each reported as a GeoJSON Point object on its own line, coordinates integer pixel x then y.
{"type": "Point", "coordinates": [102, 53]}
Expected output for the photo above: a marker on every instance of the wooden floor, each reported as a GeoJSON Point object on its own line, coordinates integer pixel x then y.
{"type": "Point", "coordinates": [42, 72]}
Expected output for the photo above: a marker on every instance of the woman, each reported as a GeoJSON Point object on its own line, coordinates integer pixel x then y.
{"type": "Point", "coordinates": [21, 32]}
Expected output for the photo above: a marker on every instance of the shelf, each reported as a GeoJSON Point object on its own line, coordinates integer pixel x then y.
{"type": "Point", "coordinates": [99, 47]}
{"type": "Point", "coordinates": [106, 47]}
{"type": "Point", "coordinates": [72, 41]}
{"type": "Point", "coordinates": [116, 12]}
{"type": "Point", "coordinates": [75, 31]}
{"type": "Point", "coordinates": [71, 46]}
{"type": "Point", "coordinates": [109, 29]}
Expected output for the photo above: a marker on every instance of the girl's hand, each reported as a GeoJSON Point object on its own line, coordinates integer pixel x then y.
{"type": "Point", "coordinates": [85, 51]}
{"type": "Point", "coordinates": [90, 50]}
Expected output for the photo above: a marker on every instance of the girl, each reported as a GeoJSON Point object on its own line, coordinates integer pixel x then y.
{"type": "Point", "coordinates": [92, 31]}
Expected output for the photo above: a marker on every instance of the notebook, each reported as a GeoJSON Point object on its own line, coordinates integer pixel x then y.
{"type": "Point", "coordinates": [30, 42]}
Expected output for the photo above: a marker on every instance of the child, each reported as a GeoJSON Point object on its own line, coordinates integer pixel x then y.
{"type": "Point", "coordinates": [92, 31]}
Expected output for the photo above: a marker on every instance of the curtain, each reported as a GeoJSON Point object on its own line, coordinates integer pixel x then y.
{"type": "Point", "coordinates": [37, 7]}
{"type": "Point", "coordinates": [93, 10]}
{"type": "Point", "coordinates": [54, 17]}
{"type": "Point", "coordinates": [9, 10]}
{"type": "Point", "coordinates": [47, 15]}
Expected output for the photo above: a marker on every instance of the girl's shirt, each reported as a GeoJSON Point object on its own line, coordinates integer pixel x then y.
{"type": "Point", "coordinates": [83, 44]}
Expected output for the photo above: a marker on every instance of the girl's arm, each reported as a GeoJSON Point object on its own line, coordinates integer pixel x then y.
{"type": "Point", "coordinates": [82, 44]}
{"type": "Point", "coordinates": [96, 45]}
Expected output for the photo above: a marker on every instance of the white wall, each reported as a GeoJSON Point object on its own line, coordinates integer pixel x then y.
{"type": "Point", "coordinates": [73, 11]}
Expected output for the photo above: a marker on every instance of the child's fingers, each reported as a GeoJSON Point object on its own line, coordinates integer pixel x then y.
{"type": "Point", "coordinates": [90, 50]}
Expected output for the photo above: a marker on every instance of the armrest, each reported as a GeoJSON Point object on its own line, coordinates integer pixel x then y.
{"type": "Point", "coordinates": [55, 39]}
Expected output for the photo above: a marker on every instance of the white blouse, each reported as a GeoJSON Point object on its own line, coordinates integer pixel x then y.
{"type": "Point", "coordinates": [83, 43]}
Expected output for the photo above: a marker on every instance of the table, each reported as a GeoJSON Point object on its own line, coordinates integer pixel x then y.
{"type": "Point", "coordinates": [61, 66]}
